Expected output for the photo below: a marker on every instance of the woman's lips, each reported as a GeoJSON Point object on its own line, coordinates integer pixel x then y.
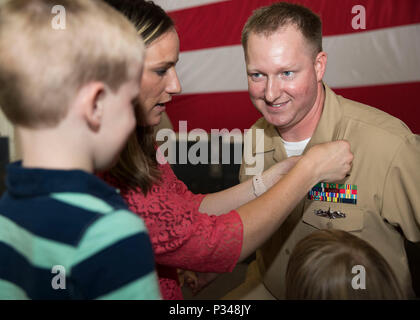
{"type": "Point", "coordinates": [160, 106]}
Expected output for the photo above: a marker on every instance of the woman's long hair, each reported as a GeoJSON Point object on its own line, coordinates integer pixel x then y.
{"type": "Point", "coordinates": [137, 165]}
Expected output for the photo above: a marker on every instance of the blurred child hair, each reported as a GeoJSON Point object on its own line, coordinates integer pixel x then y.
{"type": "Point", "coordinates": [320, 267]}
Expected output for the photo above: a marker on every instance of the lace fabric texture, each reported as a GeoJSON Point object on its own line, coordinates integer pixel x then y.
{"type": "Point", "coordinates": [181, 236]}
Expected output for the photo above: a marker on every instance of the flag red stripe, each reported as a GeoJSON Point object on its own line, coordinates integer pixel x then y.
{"type": "Point", "coordinates": [234, 110]}
{"type": "Point", "coordinates": [220, 24]}
{"type": "Point", "coordinates": [213, 110]}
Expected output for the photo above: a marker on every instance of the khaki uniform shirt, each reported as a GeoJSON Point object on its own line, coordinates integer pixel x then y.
{"type": "Point", "coordinates": [386, 170]}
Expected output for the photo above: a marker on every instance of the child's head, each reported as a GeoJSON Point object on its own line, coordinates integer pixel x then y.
{"type": "Point", "coordinates": [332, 264]}
{"type": "Point", "coordinates": [46, 72]}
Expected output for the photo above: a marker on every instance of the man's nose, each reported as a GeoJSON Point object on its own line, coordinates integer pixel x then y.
{"type": "Point", "coordinates": [273, 89]}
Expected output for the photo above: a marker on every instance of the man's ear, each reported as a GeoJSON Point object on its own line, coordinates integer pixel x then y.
{"type": "Point", "coordinates": [91, 100]}
{"type": "Point", "coordinates": [320, 65]}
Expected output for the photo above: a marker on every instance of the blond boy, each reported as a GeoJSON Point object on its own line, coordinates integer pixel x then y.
{"type": "Point", "coordinates": [68, 86]}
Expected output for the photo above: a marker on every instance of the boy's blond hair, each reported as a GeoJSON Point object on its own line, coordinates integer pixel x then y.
{"type": "Point", "coordinates": [41, 68]}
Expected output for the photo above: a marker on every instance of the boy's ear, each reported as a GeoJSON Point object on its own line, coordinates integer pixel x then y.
{"type": "Point", "coordinates": [92, 97]}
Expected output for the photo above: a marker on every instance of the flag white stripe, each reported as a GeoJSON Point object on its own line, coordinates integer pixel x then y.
{"type": "Point", "coordinates": [212, 70]}
{"type": "Point", "coordinates": [383, 56]}
{"type": "Point", "coordinates": [172, 5]}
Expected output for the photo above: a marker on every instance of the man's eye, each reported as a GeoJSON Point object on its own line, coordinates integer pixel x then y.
{"type": "Point", "coordinates": [288, 73]}
{"type": "Point", "coordinates": [256, 76]}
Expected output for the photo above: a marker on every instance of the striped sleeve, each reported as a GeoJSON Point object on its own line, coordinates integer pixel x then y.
{"type": "Point", "coordinates": [114, 260]}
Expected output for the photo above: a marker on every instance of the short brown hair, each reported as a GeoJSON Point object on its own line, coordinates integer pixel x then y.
{"type": "Point", "coordinates": [41, 69]}
{"type": "Point", "coordinates": [320, 267]}
{"type": "Point", "coordinates": [269, 19]}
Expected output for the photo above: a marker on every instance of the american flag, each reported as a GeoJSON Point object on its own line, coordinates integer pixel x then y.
{"type": "Point", "coordinates": [378, 65]}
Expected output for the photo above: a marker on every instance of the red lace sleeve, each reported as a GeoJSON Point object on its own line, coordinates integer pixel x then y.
{"type": "Point", "coordinates": [181, 236]}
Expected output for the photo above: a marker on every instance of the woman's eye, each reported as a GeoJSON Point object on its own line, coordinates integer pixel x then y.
{"type": "Point", "coordinates": [161, 72]}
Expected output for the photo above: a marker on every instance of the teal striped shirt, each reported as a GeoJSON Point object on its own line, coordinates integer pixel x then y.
{"type": "Point", "coordinates": [65, 234]}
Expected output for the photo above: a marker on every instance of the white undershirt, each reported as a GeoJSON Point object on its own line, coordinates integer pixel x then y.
{"type": "Point", "coordinates": [295, 148]}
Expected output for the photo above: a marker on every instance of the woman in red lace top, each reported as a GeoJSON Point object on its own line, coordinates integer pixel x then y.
{"type": "Point", "coordinates": [205, 233]}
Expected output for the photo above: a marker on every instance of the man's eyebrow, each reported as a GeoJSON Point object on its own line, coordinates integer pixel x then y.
{"type": "Point", "coordinates": [280, 68]}
{"type": "Point", "coordinates": [252, 69]}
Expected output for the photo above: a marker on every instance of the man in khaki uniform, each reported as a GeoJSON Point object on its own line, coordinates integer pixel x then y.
{"type": "Point", "coordinates": [381, 197]}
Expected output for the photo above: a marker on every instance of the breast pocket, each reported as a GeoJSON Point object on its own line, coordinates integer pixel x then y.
{"type": "Point", "coordinates": [353, 220]}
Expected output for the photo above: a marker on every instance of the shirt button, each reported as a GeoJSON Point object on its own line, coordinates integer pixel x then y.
{"type": "Point", "coordinates": [117, 190]}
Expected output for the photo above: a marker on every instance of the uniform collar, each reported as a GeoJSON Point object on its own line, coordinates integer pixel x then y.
{"type": "Point", "coordinates": [328, 126]}
{"type": "Point", "coordinates": [326, 130]}
{"type": "Point", "coordinates": [24, 182]}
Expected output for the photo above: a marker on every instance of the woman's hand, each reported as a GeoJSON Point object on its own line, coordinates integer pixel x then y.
{"type": "Point", "coordinates": [331, 161]}
{"type": "Point", "coordinates": [197, 281]}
